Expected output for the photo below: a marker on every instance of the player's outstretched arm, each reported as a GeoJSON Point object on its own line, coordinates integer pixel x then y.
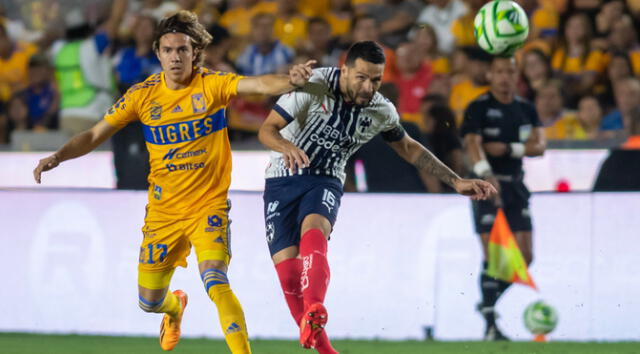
{"type": "Point", "coordinates": [416, 154]}
{"type": "Point", "coordinates": [269, 135]}
{"type": "Point", "coordinates": [274, 85]}
{"type": "Point", "coordinates": [79, 145]}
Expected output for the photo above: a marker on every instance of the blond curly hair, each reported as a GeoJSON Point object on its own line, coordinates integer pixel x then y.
{"type": "Point", "coordinates": [185, 22]}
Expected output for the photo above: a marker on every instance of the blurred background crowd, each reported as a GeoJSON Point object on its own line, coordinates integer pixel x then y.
{"type": "Point", "coordinates": [64, 62]}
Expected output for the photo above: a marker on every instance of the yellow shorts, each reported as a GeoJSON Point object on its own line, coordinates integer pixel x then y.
{"type": "Point", "coordinates": [166, 244]}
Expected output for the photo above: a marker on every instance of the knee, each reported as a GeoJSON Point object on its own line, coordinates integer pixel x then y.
{"type": "Point", "coordinates": [150, 305]}
{"type": "Point", "coordinates": [215, 282]}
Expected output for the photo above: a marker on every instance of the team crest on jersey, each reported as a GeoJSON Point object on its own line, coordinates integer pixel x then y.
{"type": "Point", "coordinates": [155, 111]}
{"type": "Point", "coordinates": [198, 103]}
{"type": "Point", "coordinates": [364, 123]}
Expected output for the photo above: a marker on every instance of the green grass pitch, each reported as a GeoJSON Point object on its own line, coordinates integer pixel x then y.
{"type": "Point", "coordinates": [19, 343]}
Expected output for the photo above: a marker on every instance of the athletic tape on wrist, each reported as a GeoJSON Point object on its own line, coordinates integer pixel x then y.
{"type": "Point", "coordinates": [517, 150]}
{"type": "Point", "coordinates": [482, 168]}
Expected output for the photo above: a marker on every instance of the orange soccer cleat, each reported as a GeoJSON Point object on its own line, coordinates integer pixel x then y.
{"type": "Point", "coordinates": [170, 327]}
{"type": "Point", "coordinates": [312, 323]}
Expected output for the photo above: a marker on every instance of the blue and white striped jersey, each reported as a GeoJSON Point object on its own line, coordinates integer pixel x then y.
{"type": "Point", "coordinates": [328, 129]}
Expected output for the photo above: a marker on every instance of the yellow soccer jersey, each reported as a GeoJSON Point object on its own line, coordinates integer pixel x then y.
{"type": "Point", "coordinates": [186, 135]}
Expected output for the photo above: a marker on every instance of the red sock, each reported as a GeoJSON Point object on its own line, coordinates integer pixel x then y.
{"type": "Point", "coordinates": [315, 267]}
{"type": "Point", "coordinates": [289, 272]}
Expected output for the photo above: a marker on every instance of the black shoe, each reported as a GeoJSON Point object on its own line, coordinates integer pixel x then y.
{"type": "Point", "coordinates": [493, 334]}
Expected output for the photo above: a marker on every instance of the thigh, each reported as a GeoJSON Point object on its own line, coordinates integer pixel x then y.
{"type": "Point", "coordinates": [484, 214]}
{"type": "Point", "coordinates": [281, 203]}
{"type": "Point", "coordinates": [210, 234]}
{"type": "Point", "coordinates": [517, 209]}
{"type": "Point", "coordinates": [164, 247]}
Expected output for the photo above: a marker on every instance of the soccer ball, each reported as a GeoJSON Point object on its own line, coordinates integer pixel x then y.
{"type": "Point", "coordinates": [501, 27]}
{"type": "Point", "coordinates": [540, 318]}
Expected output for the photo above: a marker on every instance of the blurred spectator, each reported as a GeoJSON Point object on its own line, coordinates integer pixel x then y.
{"type": "Point", "coordinates": [206, 11]}
{"type": "Point", "coordinates": [265, 54]}
{"type": "Point", "coordinates": [84, 70]}
{"type": "Point", "coordinates": [559, 123]}
{"type": "Point", "coordinates": [157, 9]}
{"type": "Point", "coordinates": [426, 46]}
{"type": "Point", "coordinates": [536, 71]}
{"type": "Point", "coordinates": [619, 67]}
{"type": "Point", "coordinates": [365, 28]}
{"type": "Point", "coordinates": [314, 8]}
{"type": "Point", "coordinates": [395, 18]}
{"type": "Point", "coordinates": [463, 28]}
{"type": "Point", "coordinates": [623, 38]}
{"type": "Point", "coordinates": [135, 63]}
{"type": "Point", "coordinates": [413, 79]}
{"type": "Point", "coordinates": [290, 26]}
{"type": "Point", "coordinates": [575, 63]}
{"type": "Point", "coordinates": [441, 137]}
{"type": "Point", "coordinates": [36, 107]}
{"type": "Point", "coordinates": [440, 15]}
{"type": "Point", "coordinates": [543, 19]}
{"type": "Point", "coordinates": [216, 54]}
{"type": "Point", "coordinates": [627, 95]}
{"type": "Point", "coordinates": [319, 45]}
{"type": "Point", "coordinates": [340, 16]}
{"type": "Point", "coordinates": [610, 13]}
{"type": "Point", "coordinates": [474, 83]}
{"type": "Point", "coordinates": [237, 19]}
{"type": "Point", "coordinates": [590, 116]}
{"type": "Point", "coordinates": [14, 64]}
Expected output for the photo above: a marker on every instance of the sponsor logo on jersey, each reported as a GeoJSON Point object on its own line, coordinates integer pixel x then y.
{"type": "Point", "coordinates": [491, 131]}
{"type": "Point", "coordinates": [184, 131]}
{"type": "Point", "coordinates": [329, 138]}
{"type": "Point", "coordinates": [198, 103]}
{"type": "Point", "coordinates": [155, 111]}
{"type": "Point", "coordinates": [487, 219]}
{"type": "Point", "coordinates": [178, 109]}
{"type": "Point", "coordinates": [494, 113]}
{"type": "Point", "coordinates": [185, 166]}
{"type": "Point", "coordinates": [524, 132]}
{"type": "Point", "coordinates": [183, 155]}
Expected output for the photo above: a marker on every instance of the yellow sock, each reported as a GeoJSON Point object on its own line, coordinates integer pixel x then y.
{"type": "Point", "coordinates": [229, 311]}
{"type": "Point", "coordinates": [170, 305]}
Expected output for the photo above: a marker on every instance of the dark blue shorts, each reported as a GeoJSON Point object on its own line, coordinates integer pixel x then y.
{"type": "Point", "coordinates": [287, 200]}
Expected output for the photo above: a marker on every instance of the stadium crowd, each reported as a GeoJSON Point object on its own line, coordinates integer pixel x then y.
{"type": "Point", "coordinates": [64, 62]}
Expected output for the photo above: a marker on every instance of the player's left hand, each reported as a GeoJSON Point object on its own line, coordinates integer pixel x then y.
{"type": "Point", "coordinates": [299, 74]}
{"type": "Point", "coordinates": [475, 188]}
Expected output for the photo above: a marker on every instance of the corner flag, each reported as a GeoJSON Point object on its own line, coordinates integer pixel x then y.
{"type": "Point", "coordinates": [505, 259]}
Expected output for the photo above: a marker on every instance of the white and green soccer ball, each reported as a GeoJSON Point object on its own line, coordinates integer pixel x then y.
{"type": "Point", "coordinates": [540, 318]}
{"type": "Point", "coordinates": [501, 27]}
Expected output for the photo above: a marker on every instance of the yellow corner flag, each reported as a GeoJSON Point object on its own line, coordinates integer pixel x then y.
{"type": "Point", "coordinates": [505, 260]}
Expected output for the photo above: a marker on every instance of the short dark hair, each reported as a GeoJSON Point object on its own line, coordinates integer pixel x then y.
{"type": "Point", "coordinates": [184, 22]}
{"type": "Point", "coordinates": [318, 20]}
{"type": "Point", "coordinates": [368, 51]}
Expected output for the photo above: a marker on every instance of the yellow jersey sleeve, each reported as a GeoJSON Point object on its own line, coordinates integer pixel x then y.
{"type": "Point", "coordinates": [124, 111]}
{"type": "Point", "coordinates": [596, 61]}
{"type": "Point", "coordinates": [221, 86]}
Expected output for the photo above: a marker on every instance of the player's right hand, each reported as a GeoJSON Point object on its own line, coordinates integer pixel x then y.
{"type": "Point", "coordinates": [46, 164]}
{"type": "Point", "coordinates": [294, 158]}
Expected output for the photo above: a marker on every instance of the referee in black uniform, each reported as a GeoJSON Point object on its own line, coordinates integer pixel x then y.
{"type": "Point", "coordinates": [499, 129]}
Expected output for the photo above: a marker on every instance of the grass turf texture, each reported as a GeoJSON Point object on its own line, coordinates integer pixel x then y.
{"type": "Point", "coordinates": [19, 343]}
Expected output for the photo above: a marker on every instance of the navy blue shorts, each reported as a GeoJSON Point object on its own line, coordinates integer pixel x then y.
{"type": "Point", "coordinates": [287, 200]}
